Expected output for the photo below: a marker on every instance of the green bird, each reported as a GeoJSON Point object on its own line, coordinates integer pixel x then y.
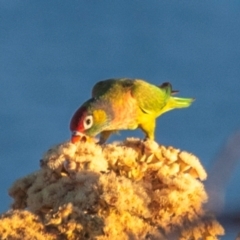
{"type": "Point", "coordinates": [124, 103]}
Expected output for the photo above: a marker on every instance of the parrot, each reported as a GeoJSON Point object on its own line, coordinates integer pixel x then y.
{"type": "Point", "coordinates": [124, 103]}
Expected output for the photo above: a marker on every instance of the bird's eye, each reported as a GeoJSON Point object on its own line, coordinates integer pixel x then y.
{"type": "Point", "coordinates": [88, 122]}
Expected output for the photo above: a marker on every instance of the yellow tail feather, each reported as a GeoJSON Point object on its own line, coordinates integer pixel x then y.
{"type": "Point", "coordinates": [175, 102]}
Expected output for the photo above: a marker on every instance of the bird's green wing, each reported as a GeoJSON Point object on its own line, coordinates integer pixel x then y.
{"type": "Point", "coordinates": [100, 88]}
{"type": "Point", "coordinates": [150, 98]}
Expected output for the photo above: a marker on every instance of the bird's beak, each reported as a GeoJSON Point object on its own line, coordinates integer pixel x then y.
{"type": "Point", "coordinates": [76, 136]}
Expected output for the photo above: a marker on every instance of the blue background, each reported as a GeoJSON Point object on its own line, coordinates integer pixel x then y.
{"type": "Point", "coordinates": [52, 52]}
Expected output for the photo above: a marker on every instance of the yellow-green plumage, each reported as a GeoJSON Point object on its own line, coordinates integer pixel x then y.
{"type": "Point", "coordinates": [133, 103]}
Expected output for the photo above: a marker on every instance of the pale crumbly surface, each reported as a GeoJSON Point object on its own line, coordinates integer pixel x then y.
{"type": "Point", "coordinates": [126, 190]}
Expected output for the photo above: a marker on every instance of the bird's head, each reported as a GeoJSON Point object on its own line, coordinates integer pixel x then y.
{"type": "Point", "coordinates": [90, 119]}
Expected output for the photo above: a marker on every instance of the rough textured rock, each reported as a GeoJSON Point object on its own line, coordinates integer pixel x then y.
{"type": "Point", "coordinates": [127, 190]}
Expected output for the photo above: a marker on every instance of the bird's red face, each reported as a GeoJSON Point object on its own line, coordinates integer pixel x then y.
{"type": "Point", "coordinates": [80, 122]}
{"type": "Point", "coordinates": [93, 117]}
